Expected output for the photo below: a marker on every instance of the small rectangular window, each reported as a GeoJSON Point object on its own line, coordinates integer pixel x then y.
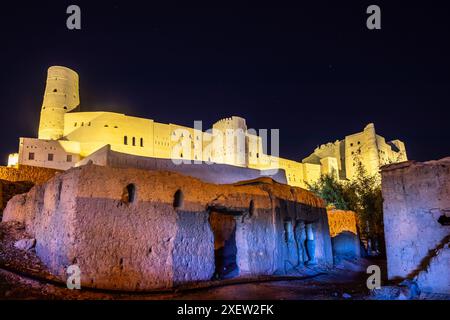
{"type": "Point", "coordinates": [50, 157]}
{"type": "Point", "coordinates": [125, 140]}
{"type": "Point", "coordinates": [134, 141]}
{"type": "Point", "coordinates": [69, 158]}
{"type": "Point", "coordinates": [31, 156]}
{"type": "Point", "coordinates": [142, 142]}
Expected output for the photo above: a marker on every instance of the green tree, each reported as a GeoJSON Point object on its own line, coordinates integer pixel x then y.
{"type": "Point", "coordinates": [331, 190]}
{"type": "Point", "coordinates": [361, 194]}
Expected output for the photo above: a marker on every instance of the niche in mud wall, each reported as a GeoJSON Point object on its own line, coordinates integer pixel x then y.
{"type": "Point", "coordinates": [223, 226]}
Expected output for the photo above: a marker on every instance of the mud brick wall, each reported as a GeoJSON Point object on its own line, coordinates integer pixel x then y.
{"type": "Point", "coordinates": [148, 239]}
{"type": "Point", "coordinates": [9, 189]}
{"type": "Point", "coordinates": [36, 175]}
{"type": "Point", "coordinates": [340, 221]}
{"type": "Point", "coordinates": [416, 207]}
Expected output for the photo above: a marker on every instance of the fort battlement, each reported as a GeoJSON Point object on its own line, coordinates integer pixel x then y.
{"type": "Point", "coordinates": [66, 138]}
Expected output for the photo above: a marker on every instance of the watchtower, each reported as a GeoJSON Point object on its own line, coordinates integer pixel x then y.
{"type": "Point", "coordinates": [61, 95]}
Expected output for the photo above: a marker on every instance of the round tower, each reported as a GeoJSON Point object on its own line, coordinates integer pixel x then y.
{"type": "Point", "coordinates": [230, 142]}
{"type": "Point", "coordinates": [61, 95]}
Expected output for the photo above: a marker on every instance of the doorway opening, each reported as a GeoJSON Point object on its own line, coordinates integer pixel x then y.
{"type": "Point", "coordinates": [225, 250]}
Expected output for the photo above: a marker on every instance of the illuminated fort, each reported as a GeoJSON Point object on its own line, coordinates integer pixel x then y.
{"type": "Point", "coordinates": [68, 138]}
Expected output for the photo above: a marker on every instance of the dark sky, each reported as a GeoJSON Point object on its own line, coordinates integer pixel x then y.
{"type": "Point", "coordinates": [313, 70]}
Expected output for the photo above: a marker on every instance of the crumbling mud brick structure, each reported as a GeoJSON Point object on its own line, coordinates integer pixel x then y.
{"type": "Point", "coordinates": [416, 222]}
{"type": "Point", "coordinates": [131, 229]}
{"type": "Point", "coordinates": [344, 233]}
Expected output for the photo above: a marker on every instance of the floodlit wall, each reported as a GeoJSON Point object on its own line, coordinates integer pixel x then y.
{"type": "Point", "coordinates": [124, 133]}
{"type": "Point", "coordinates": [367, 147]}
{"type": "Point", "coordinates": [54, 154]}
{"type": "Point", "coordinates": [79, 134]}
{"type": "Point", "coordinates": [311, 173]}
{"type": "Point", "coordinates": [329, 166]}
{"type": "Point", "coordinates": [231, 141]}
{"type": "Point", "coordinates": [13, 160]}
{"type": "Point", "coordinates": [416, 213]}
{"type": "Point", "coordinates": [61, 96]}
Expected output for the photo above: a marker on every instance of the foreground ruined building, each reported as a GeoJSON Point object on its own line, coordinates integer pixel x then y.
{"type": "Point", "coordinates": [417, 223]}
{"type": "Point", "coordinates": [132, 229]}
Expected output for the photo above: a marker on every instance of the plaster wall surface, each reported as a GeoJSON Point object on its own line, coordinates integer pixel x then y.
{"type": "Point", "coordinates": [329, 165]}
{"type": "Point", "coordinates": [149, 240]}
{"type": "Point", "coordinates": [53, 154]}
{"type": "Point", "coordinates": [416, 202]}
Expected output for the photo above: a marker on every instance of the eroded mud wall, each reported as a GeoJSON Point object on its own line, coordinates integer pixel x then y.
{"type": "Point", "coordinates": [416, 204]}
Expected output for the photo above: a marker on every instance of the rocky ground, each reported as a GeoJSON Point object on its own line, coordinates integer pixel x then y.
{"type": "Point", "coordinates": [23, 276]}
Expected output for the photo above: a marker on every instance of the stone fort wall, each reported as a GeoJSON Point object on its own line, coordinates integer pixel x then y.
{"type": "Point", "coordinates": [66, 137]}
{"type": "Point", "coordinates": [367, 146]}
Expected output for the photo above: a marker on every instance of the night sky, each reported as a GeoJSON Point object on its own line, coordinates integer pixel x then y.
{"type": "Point", "coordinates": [313, 70]}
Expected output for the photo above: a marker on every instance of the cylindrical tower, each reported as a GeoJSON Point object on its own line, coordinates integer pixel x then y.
{"type": "Point", "coordinates": [61, 95]}
{"type": "Point", "coordinates": [230, 141]}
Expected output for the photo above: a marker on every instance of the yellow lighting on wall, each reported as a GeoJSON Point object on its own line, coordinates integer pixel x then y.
{"type": "Point", "coordinates": [13, 160]}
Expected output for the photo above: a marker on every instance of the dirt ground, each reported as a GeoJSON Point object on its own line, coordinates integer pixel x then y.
{"type": "Point", "coordinates": [13, 286]}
